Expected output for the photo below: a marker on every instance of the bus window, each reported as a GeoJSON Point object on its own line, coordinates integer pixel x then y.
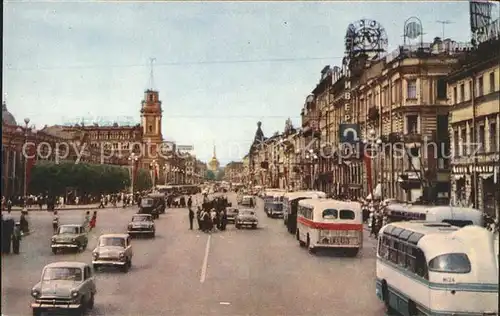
{"type": "Point", "coordinates": [410, 258]}
{"type": "Point", "coordinates": [402, 254]}
{"type": "Point", "coordinates": [347, 214]}
{"type": "Point", "coordinates": [450, 263]}
{"type": "Point", "coordinates": [458, 223]}
{"type": "Point", "coordinates": [330, 214]}
{"type": "Point", "coordinates": [421, 264]}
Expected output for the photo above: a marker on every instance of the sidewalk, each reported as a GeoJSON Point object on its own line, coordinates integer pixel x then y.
{"type": "Point", "coordinates": [68, 207]}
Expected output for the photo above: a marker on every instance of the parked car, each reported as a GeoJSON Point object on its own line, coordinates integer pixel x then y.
{"type": "Point", "coordinates": [232, 212]}
{"type": "Point", "coordinates": [70, 237]}
{"type": "Point", "coordinates": [246, 218]}
{"type": "Point", "coordinates": [64, 286]}
{"type": "Point", "coordinates": [113, 250]}
{"type": "Point", "coordinates": [141, 224]}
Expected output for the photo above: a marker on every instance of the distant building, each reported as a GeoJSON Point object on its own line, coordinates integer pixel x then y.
{"type": "Point", "coordinates": [233, 172]}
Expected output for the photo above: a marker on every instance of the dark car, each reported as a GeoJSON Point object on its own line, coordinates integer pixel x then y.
{"type": "Point", "coordinates": [246, 218]}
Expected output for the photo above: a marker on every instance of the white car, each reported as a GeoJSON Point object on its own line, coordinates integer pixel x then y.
{"type": "Point", "coordinates": [113, 250]}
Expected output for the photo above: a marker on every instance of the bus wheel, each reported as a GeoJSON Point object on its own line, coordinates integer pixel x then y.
{"type": "Point", "coordinates": [385, 296]}
{"type": "Point", "coordinates": [301, 243]}
{"type": "Point", "coordinates": [353, 252]}
{"type": "Point", "coordinates": [308, 245]}
{"type": "Point", "coordinates": [412, 308]}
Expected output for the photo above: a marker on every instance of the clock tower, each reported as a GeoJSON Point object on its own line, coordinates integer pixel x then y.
{"type": "Point", "coordinates": [151, 114]}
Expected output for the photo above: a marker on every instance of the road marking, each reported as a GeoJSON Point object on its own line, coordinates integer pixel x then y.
{"type": "Point", "coordinates": [224, 303]}
{"type": "Point", "coordinates": [205, 261]}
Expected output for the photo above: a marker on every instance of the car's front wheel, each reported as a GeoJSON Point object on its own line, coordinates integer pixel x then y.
{"type": "Point", "coordinates": [96, 267]}
{"type": "Point", "coordinates": [36, 312]}
{"type": "Point", "coordinates": [90, 304]}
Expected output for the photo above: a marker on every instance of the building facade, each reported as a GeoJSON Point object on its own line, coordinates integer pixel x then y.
{"type": "Point", "coordinates": [474, 93]}
{"type": "Point", "coordinates": [233, 172]}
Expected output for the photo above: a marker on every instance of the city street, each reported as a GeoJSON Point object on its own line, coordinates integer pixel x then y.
{"type": "Point", "coordinates": [183, 272]}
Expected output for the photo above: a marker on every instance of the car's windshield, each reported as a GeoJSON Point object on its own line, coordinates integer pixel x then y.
{"type": "Point", "coordinates": [246, 213]}
{"type": "Point", "coordinates": [112, 241]}
{"type": "Point", "coordinates": [140, 218]}
{"type": "Point", "coordinates": [62, 273]}
{"type": "Point", "coordinates": [68, 230]}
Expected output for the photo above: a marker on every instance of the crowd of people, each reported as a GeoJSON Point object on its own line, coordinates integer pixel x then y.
{"type": "Point", "coordinates": [211, 215]}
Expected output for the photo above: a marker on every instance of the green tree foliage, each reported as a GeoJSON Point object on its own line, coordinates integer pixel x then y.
{"type": "Point", "coordinates": [85, 178]}
{"type": "Point", "coordinates": [220, 175]}
{"type": "Point", "coordinates": [143, 181]}
{"type": "Point", "coordinates": [209, 175]}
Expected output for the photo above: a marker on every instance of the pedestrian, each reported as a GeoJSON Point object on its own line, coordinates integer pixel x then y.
{"type": "Point", "coordinates": [224, 220]}
{"type": "Point", "coordinates": [16, 238]}
{"type": "Point", "coordinates": [7, 231]}
{"type": "Point", "coordinates": [23, 222]}
{"type": "Point", "coordinates": [190, 202]}
{"type": "Point", "coordinates": [86, 220]}
{"type": "Point", "coordinates": [93, 221]}
{"type": "Point", "coordinates": [55, 222]}
{"type": "Point", "coordinates": [198, 217]}
{"type": "Point", "coordinates": [191, 218]}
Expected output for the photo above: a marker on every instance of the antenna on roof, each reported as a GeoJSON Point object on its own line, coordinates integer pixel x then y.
{"type": "Point", "coordinates": [444, 23]}
{"type": "Point", "coordinates": [151, 73]}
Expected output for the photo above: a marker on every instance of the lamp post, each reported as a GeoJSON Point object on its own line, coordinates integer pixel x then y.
{"type": "Point", "coordinates": [25, 180]}
{"type": "Point", "coordinates": [376, 143]}
{"type": "Point", "coordinates": [133, 159]}
{"type": "Point", "coordinates": [312, 157]}
{"type": "Point", "coordinates": [165, 173]}
{"type": "Point", "coordinates": [153, 166]}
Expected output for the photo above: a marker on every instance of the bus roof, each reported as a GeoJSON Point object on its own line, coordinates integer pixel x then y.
{"type": "Point", "coordinates": [307, 194]}
{"type": "Point", "coordinates": [329, 203]}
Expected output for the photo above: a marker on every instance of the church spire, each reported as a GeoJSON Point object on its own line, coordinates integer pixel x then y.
{"type": "Point", "coordinates": [215, 156]}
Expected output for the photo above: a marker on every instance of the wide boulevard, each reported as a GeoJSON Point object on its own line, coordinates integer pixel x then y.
{"type": "Point", "coordinates": [183, 272]}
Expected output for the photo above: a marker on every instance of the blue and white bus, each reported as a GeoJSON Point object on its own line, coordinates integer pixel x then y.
{"type": "Point", "coordinates": [426, 268]}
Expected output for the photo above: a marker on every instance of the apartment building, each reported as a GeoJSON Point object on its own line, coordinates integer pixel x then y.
{"type": "Point", "coordinates": [474, 95]}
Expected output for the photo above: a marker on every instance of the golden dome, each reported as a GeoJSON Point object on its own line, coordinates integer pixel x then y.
{"type": "Point", "coordinates": [214, 164]}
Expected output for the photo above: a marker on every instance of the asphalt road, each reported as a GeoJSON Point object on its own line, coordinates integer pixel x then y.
{"type": "Point", "coordinates": [189, 273]}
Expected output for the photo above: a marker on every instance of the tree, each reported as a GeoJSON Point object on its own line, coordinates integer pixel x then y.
{"type": "Point", "coordinates": [209, 175]}
{"type": "Point", "coordinates": [220, 175]}
{"type": "Point", "coordinates": [54, 179]}
{"type": "Point", "coordinates": [143, 181]}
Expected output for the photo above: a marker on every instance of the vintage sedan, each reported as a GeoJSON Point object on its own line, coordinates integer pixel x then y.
{"type": "Point", "coordinates": [70, 237]}
{"type": "Point", "coordinates": [232, 212]}
{"type": "Point", "coordinates": [248, 201]}
{"type": "Point", "coordinates": [113, 250]}
{"type": "Point", "coordinates": [141, 224]}
{"type": "Point", "coordinates": [64, 286]}
{"type": "Point", "coordinates": [246, 218]}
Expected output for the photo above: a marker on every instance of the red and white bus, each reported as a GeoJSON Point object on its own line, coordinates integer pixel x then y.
{"type": "Point", "coordinates": [327, 223]}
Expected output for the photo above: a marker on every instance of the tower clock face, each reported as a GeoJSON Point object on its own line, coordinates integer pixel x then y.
{"type": "Point", "coordinates": [365, 36]}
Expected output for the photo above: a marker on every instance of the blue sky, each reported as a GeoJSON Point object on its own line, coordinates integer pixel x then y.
{"type": "Point", "coordinates": [64, 61]}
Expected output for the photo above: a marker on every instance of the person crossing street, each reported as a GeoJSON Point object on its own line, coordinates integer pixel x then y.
{"type": "Point", "coordinates": [191, 218]}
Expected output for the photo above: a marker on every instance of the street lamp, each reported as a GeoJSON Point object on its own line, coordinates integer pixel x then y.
{"type": "Point", "coordinates": [153, 166]}
{"type": "Point", "coordinates": [133, 160]}
{"type": "Point", "coordinates": [27, 131]}
{"type": "Point", "coordinates": [376, 143]}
